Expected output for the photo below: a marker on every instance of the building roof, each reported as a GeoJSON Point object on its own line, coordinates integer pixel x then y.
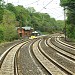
{"type": "Point", "coordinates": [26, 28]}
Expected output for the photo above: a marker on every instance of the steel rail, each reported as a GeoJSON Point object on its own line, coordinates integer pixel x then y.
{"type": "Point", "coordinates": [65, 70]}
{"type": "Point", "coordinates": [8, 59]}
{"type": "Point", "coordinates": [60, 50]}
{"type": "Point", "coordinates": [48, 63]}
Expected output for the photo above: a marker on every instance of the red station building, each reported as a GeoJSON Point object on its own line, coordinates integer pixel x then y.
{"type": "Point", "coordinates": [24, 31]}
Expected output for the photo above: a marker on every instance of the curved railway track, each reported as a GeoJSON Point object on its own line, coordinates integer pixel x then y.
{"type": "Point", "coordinates": [57, 57]}
{"type": "Point", "coordinates": [46, 61]}
{"type": "Point", "coordinates": [65, 53]}
{"type": "Point", "coordinates": [8, 60]}
{"type": "Point", "coordinates": [64, 64]}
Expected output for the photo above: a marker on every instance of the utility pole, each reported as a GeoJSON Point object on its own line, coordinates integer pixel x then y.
{"type": "Point", "coordinates": [65, 22]}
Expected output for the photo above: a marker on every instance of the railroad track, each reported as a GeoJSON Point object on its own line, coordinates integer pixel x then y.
{"type": "Point", "coordinates": [65, 50]}
{"type": "Point", "coordinates": [8, 65]}
{"type": "Point", "coordinates": [54, 59]}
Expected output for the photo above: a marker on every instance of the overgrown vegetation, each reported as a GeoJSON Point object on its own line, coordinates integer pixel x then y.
{"type": "Point", "coordinates": [17, 16]}
{"type": "Point", "coordinates": [69, 6]}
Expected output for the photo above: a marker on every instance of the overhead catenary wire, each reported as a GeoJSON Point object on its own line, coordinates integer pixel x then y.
{"type": "Point", "coordinates": [57, 11]}
{"type": "Point", "coordinates": [60, 16]}
{"type": "Point", "coordinates": [52, 10]}
{"type": "Point", "coordinates": [46, 5]}
{"type": "Point", "coordinates": [32, 3]}
{"type": "Point", "coordinates": [55, 14]}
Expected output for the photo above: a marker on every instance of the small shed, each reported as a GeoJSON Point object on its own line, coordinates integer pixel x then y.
{"type": "Point", "coordinates": [24, 31]}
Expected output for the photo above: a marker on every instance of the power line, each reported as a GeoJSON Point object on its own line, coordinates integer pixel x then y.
{"type": "Point", "coordinates": [59, 16]}
{"type": "Point", "coordinates": [32, 3]}
{"type": "Point", "coordinates": [55, 14]}
{"type": "Point", "coordinates": [57, 11]}
{"type": "Point", "coordinates": [56, 7]}
{"type": "Point", "coordinates": [50, 10]}
{"type": "Point", "coordinates": [46, 5]}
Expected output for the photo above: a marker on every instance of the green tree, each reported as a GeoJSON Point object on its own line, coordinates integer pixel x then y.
{"type": "Point", "coordinates": [60, 24]}
{"type": "Point", "coordinates": [1, 10]}
{"type": "Point", "coordinates": [31, 9]}
{"type": "Point", "coordinates": [10, 7]}
{"type": "Point", "coordinates": [1, 34]}
{"type": "Point", "coordinates": [22, 15]}
{"type": "Point", "coordinates": [43, 22]}
{"type": "Point", "coordinates": [8, 25]}
{"type": "Point", "coordinates": [69, 6]}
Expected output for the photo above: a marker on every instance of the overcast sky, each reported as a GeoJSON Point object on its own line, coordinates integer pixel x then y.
{"type": "Point", "coordinates": [52, 7]}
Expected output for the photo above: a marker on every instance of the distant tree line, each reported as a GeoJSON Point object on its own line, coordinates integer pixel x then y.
{"type": "Point", "coordinates": [17, 16]}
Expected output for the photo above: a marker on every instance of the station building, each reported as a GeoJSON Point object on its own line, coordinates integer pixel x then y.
{"type": "Point", "coordinates": [24, 31]}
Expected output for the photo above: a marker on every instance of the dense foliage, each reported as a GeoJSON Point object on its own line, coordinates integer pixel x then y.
{"type": "Point", "coordinates": [1, 10]}
{"type": "Point", "coordinates": [8, 30]}
{"type": "Point", "coordinates": [69, 6]}
{"type": "Point", "coordinates": [18, 16]}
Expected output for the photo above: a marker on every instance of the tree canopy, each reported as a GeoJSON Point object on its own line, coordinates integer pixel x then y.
{"type": "Point", "coordinates": [1, 10]}
{"type": "Point", "coordinates": [69, 6]}
{"type": "Point", "coordinates": [19, 16]}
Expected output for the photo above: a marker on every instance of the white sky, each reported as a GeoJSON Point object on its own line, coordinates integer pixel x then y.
{"type": "Point", "coordinates": [52, 7]}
